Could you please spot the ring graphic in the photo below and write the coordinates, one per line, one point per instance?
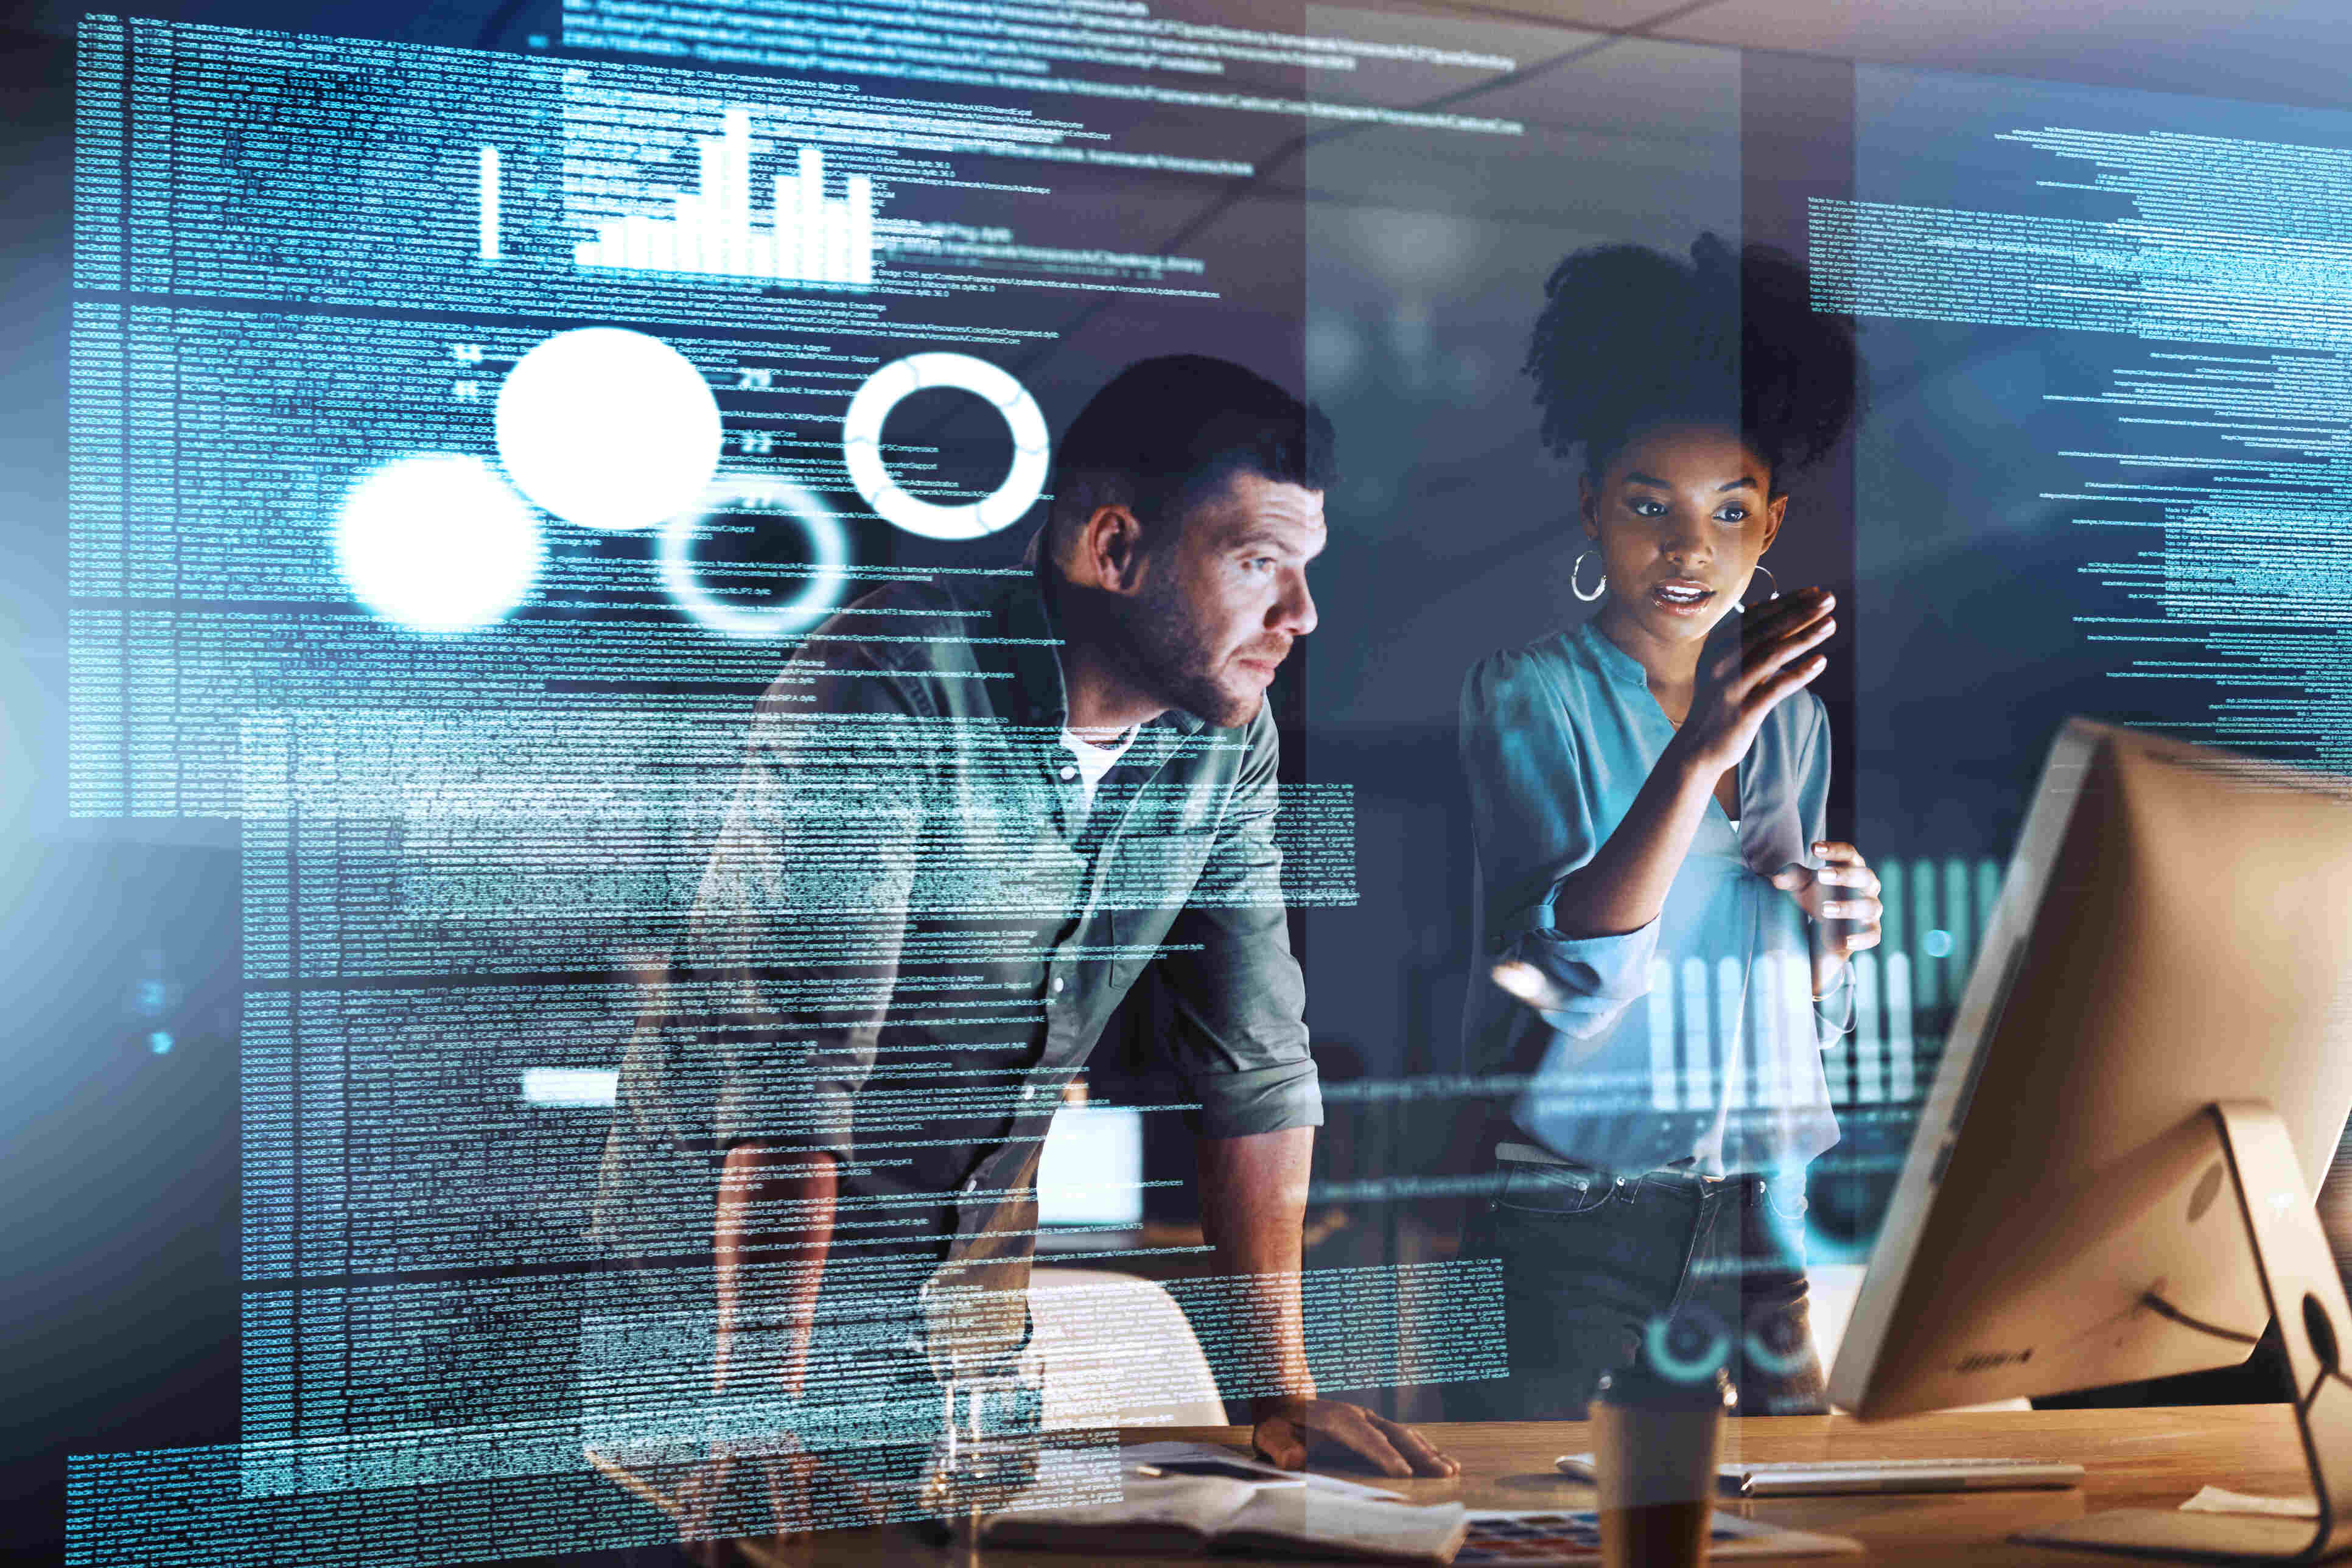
(1657, 1338)
(861, 445)
(828, 551)
(1777, 1364)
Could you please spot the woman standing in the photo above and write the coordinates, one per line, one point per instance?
(1664, 924)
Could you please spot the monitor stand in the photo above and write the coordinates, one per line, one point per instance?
(2306, 1299)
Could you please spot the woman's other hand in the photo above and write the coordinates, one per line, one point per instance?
(1773, 662)
(1842, 896)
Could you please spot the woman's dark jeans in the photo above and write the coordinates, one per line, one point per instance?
(1703, 1272)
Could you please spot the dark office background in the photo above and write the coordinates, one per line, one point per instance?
(1401, 300)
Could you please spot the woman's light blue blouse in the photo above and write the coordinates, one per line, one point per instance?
(1696, 1037)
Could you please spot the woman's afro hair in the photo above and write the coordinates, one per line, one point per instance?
(1630, 339)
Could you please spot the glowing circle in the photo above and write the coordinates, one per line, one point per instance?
(828, 552)
(861, 445)
(608, 428)
(1656, 1339)
(438, 543)
(1764, 1359)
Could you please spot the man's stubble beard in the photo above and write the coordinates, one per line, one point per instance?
(1166, 654)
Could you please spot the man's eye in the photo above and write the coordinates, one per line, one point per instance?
(1260, 564)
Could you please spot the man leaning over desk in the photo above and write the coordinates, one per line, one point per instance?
(971, 811)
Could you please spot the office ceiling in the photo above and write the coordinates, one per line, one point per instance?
(2294, 52)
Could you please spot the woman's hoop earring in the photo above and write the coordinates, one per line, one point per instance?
(1576, 571)
(1767, 572)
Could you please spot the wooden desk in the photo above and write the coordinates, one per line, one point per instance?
(2144, 1458)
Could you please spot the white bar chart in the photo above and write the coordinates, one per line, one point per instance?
(1662, 1035)
(1698, 1078)
(718, 229)
(1698, 1043)
(1902, 1055)
(486, 204)
(1868, 1046)
(1938, 911)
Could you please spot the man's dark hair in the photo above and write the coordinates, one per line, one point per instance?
(1631, 338)
(1169, 433)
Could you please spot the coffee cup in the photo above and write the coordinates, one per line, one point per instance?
(1655, 1443)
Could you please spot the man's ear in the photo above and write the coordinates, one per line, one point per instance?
(1108, 553)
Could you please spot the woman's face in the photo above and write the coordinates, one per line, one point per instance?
(1680, 515)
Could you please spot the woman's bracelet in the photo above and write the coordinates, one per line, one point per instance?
(1844, 976)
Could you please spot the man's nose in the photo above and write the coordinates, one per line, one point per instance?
(1295, 611)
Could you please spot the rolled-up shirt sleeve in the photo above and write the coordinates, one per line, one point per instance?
(819, 848)
(1240, 1041)
(740, 1039)
(1532, 825)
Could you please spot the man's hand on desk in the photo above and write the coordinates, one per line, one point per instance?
(1291, 1430)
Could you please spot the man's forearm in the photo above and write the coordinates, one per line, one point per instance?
(771, 1237)
(1253, 1209)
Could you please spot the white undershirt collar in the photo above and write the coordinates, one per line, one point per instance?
(1094, 761)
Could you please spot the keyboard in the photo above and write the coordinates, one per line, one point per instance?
(1801, 1478)
(1520, 1538)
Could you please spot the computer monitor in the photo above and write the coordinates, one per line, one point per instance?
(2112, 1178)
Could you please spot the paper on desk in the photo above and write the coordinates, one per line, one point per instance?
(1234, 1467)
(2219, 1499)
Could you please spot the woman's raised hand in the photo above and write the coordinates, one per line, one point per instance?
(1773, 662)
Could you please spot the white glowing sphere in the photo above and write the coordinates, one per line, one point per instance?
(608, 428)
(438, 543)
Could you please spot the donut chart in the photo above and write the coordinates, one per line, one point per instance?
(861, 444)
